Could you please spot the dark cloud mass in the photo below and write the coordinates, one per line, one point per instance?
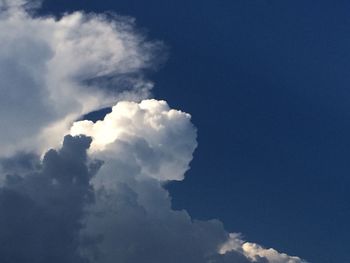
(43, 206)
(55, 210)
(41, 210)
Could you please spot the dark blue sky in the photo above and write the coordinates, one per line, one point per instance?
(268, 85)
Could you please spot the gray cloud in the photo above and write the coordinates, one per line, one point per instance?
(41, 209)
(138, 225)
(45, 205)
(67, 208)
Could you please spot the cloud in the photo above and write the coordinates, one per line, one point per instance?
(159, 141)
(8, 4)
(99, 196)
(144, 145)
(55, 70)
(256, 252)
(41, 209)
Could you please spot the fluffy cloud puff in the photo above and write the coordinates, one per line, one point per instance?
(158, 140)
(54, 70)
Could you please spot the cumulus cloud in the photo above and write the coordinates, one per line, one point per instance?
(158, 140)
(55, 70)
(99, 197)
(143, 145)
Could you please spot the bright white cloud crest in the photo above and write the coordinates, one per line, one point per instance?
(254, 251)
(164, 139)
(53, 71)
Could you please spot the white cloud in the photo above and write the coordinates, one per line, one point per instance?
(255, 252)
(55, 70)
(158, 139)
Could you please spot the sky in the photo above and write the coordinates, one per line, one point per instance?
(253, 133)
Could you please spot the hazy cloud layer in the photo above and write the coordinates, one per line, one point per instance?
(100, 196)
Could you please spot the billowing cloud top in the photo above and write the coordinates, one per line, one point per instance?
(160, 139)
(98, 196)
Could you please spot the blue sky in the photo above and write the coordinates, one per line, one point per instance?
(267, 84)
